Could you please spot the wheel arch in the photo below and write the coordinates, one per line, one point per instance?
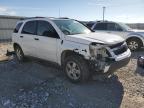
(67, 53)
(16, 45)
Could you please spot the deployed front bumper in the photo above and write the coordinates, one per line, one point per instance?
(114, 63)
(119, 61)
(118, 64)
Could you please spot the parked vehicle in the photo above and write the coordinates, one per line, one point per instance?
(134, 38)
(81, 52)
(140, 61)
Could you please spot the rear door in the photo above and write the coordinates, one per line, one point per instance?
(110, 27)
(15, 36)
(47, 41)
(115, 28)
(27, 37)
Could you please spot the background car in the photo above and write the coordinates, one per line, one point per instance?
(134, 38)
(140, 61)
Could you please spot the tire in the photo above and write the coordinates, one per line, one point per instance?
(134, 44)
(76, 69)
(19, 54)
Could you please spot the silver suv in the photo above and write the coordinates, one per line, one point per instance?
(134, 38)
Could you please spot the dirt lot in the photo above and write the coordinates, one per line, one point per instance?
(38, 84)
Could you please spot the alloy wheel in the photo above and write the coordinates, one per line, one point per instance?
(133, 45)
(73, 70)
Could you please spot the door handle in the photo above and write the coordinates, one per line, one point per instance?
(36, 38)
(108, 32)
(21, 36)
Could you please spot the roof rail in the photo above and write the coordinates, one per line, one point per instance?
(64, 18)
(39, 17)
(44, 17)
(102, 21)
(31, 17)
(50, 17)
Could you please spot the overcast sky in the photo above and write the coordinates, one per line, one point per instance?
(130, 11)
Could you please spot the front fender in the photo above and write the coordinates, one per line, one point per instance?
(82, 49)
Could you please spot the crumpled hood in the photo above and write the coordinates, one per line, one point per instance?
(103, 38)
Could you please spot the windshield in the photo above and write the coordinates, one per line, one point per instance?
(126, 27)
(71, 27)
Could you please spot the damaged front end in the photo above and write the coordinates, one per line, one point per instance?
(108, 58)
(100, 60)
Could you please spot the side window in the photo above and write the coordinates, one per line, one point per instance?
(29, 28)
(114, 27)
(17, 27)
(44, 28)
(100, 26)
(111, 26)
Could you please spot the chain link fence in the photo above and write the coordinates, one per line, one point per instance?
(7, 25)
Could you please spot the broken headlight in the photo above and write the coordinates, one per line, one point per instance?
(97, 50)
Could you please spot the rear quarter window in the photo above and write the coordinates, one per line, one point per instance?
(17, 27)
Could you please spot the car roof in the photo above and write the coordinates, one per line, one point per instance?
(44, 18)
(101, 21)
(105, 21)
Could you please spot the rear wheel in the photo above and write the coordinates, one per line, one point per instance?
(76, 69)
(134, 44)
(19, 54)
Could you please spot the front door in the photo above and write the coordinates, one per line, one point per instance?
(46, 41)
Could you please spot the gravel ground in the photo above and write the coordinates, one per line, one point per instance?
(4, 47)
(39, 84)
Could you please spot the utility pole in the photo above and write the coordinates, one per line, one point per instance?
(104, 8)
(59, 12)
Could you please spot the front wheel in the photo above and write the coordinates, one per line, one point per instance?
(76, 69)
